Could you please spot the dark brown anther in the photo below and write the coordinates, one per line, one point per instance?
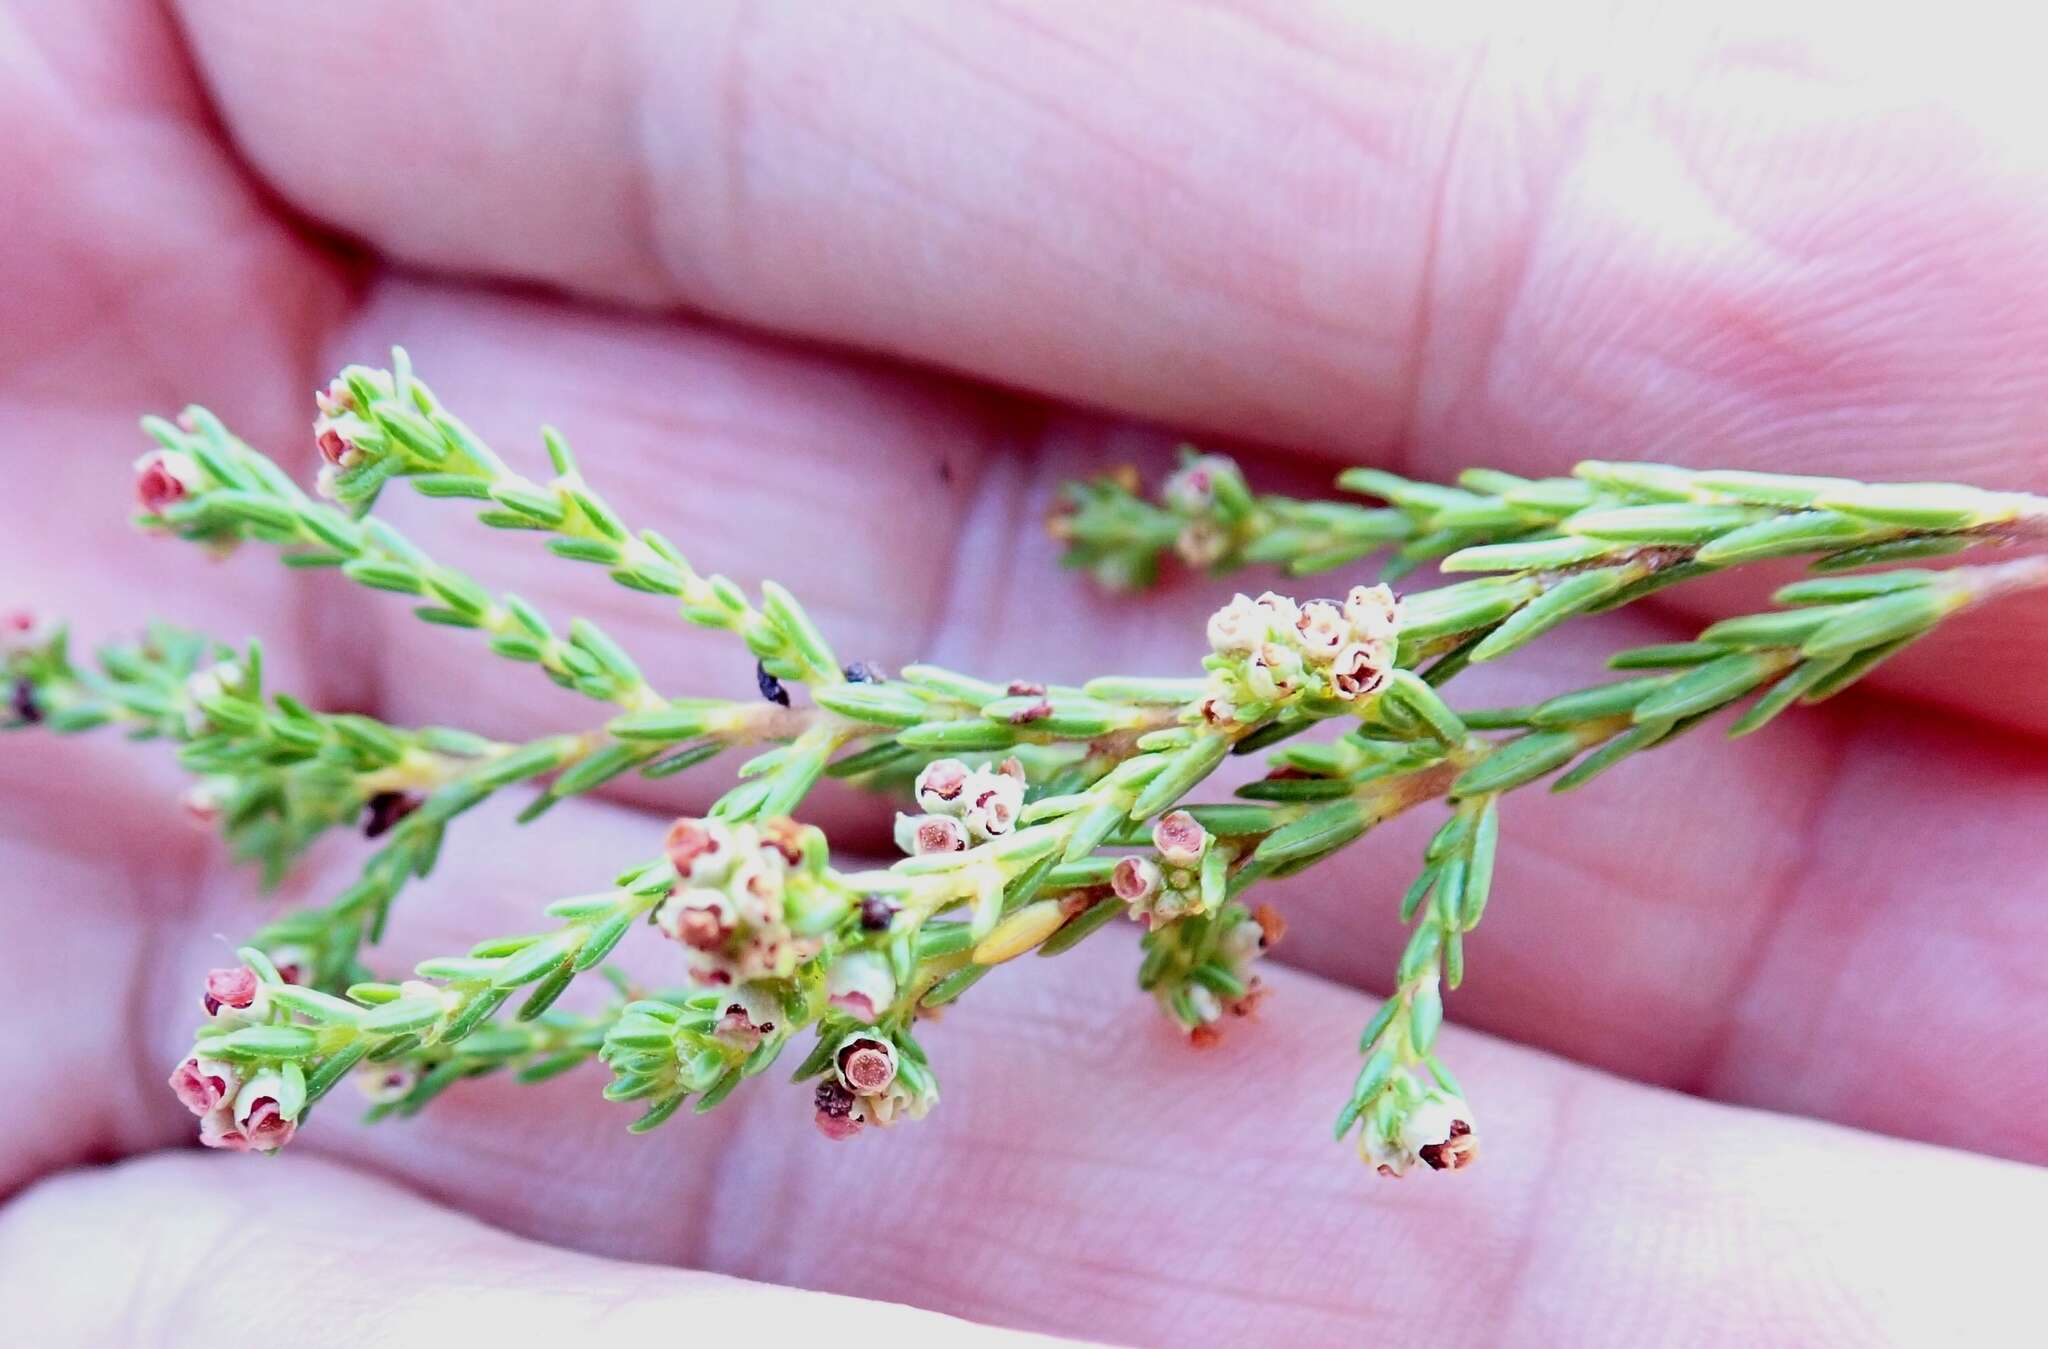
(384, 810)
(1455, 1153)
(860, 672)
(876, 913)
(833, 1101)
(771, 687)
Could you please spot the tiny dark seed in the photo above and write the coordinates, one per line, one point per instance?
(771, 687)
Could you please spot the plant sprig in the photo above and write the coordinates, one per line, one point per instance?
(1079, 810)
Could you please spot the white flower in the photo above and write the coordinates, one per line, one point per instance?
(1359, 669)
(1284, 612)
(922, 835)
(1439, 1133)
(1202, 543)
(861, 985)
(1239, 626)
(940, 787)
(993, 800)
(1273, 672)
(1321, 630)
(1373, 613)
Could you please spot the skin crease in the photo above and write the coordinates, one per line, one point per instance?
(767, 271)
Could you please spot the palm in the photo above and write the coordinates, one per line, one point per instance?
(1841, 919)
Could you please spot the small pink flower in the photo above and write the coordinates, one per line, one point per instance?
(1192, 486)
(1135, 879)
(940, 784)
(1180, 838)
(1358, 670)
(165, 478)
(218, 1129)
(923, 835)
(690, 842)
(861, 984)
(747, 1019)
(202, 1084)
(264, 1113)
(865, 1064)
(700, 918)
(833, 1111)
(231, 991)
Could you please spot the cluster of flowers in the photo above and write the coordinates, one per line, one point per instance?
(1190, 491)
(871, 1083)
(1270, 649)
(752, 902)
(737, 888)
(256, 1114)
(1435, 1130)
(1160, 889)
(340, 429)
(961, 806)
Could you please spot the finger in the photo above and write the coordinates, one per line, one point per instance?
(341, 1259)
(1764, 236)
(1082, 1151)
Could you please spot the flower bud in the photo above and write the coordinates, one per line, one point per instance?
(861, 985)
(164, 478)
(1191, 488)
(866, 1065)
(1180, 838)
(1273, 672)
(1202, 543)
(233, 992)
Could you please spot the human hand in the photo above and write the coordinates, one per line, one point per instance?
(1291, 227)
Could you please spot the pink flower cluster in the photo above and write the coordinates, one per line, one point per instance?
(729, 906)
(961, 806)
(258, 1113)
(1169, 886)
